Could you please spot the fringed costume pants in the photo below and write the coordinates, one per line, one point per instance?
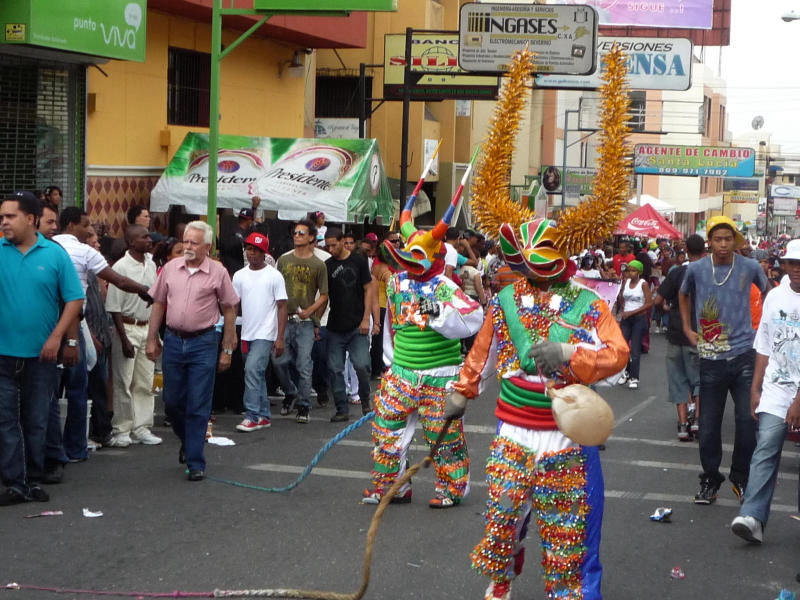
(544, 475)
(405, 396)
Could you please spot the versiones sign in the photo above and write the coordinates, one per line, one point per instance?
(653, 64)
(563, 37)
(705, 161)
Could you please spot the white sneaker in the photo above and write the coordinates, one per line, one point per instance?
(633, 384)
(623, 378)
(748, 528)
(119, 440)
(146, 437)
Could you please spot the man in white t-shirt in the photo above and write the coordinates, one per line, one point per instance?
(264, 316)
(775, 394)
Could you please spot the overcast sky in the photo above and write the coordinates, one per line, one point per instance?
(762, 70)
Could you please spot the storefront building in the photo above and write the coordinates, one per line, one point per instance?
(95, 97)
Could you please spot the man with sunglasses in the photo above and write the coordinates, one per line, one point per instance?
(305, 276)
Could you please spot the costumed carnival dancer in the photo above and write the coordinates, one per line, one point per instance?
(544, 331)
(427, 315)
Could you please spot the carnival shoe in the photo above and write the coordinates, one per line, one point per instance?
(498, 591)
(439, 501)
(374, 497)
(748, 528)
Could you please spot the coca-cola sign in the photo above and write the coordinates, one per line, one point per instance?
(639, 223)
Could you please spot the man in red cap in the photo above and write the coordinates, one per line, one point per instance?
(263, 298)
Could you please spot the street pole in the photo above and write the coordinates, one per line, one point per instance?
(406, 116)
(213, 114)
(564, 162)
(362, 100)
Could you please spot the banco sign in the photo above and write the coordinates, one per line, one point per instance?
(111, 28)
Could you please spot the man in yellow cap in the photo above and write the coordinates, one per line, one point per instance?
(721, 284)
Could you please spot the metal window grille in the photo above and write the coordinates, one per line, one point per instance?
(42, 127)
(638, 110)
(188, 87)
(337, 97)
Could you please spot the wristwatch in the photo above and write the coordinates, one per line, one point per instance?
(228, 352)
(72, 343)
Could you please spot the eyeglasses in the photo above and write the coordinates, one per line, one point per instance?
(394, 240)
(299, 232)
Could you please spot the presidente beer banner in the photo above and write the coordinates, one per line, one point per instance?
(344, 178)
(705, 161)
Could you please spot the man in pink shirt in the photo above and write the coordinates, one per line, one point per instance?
(189, 291)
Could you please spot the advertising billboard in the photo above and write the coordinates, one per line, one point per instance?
(578, 181)
(653, 64)
(704, 161)
(784, 207)
(112, 28)
(785, 191)
(563, 37)
(683, 14)
(740, 197)
(435, 70)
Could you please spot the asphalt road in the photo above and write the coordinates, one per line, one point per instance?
(161, 533)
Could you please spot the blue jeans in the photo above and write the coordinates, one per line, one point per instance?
(76, 389)
(764, 467)
(319, 357)
(358, 345)
(717, 378)
(54, 452)
(299, 340)
(256, 361)
(189, 367)
(633, 329)
(26, 387)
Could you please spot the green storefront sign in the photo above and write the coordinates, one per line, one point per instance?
(109, 28)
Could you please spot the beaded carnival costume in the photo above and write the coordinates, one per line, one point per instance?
(427, 315)
(542, 330)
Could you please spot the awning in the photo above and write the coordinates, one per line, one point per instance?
(645, 221)
(661, 206)
(343, 178)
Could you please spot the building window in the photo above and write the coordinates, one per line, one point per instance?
(337, 97)
(637, 110)
(721, 135)
(706, 115)
(188, 87)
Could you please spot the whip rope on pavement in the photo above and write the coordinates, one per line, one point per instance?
(282, 592)
(307, 471)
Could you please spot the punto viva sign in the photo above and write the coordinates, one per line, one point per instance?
(111, 28)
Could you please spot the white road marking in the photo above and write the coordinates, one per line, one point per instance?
(610, 494)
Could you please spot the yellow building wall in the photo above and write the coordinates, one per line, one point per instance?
(131, 103)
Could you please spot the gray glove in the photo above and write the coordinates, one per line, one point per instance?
(549, 356)
(455, 404)
(428, 307)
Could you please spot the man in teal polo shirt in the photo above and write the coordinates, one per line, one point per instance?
(37, 278)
